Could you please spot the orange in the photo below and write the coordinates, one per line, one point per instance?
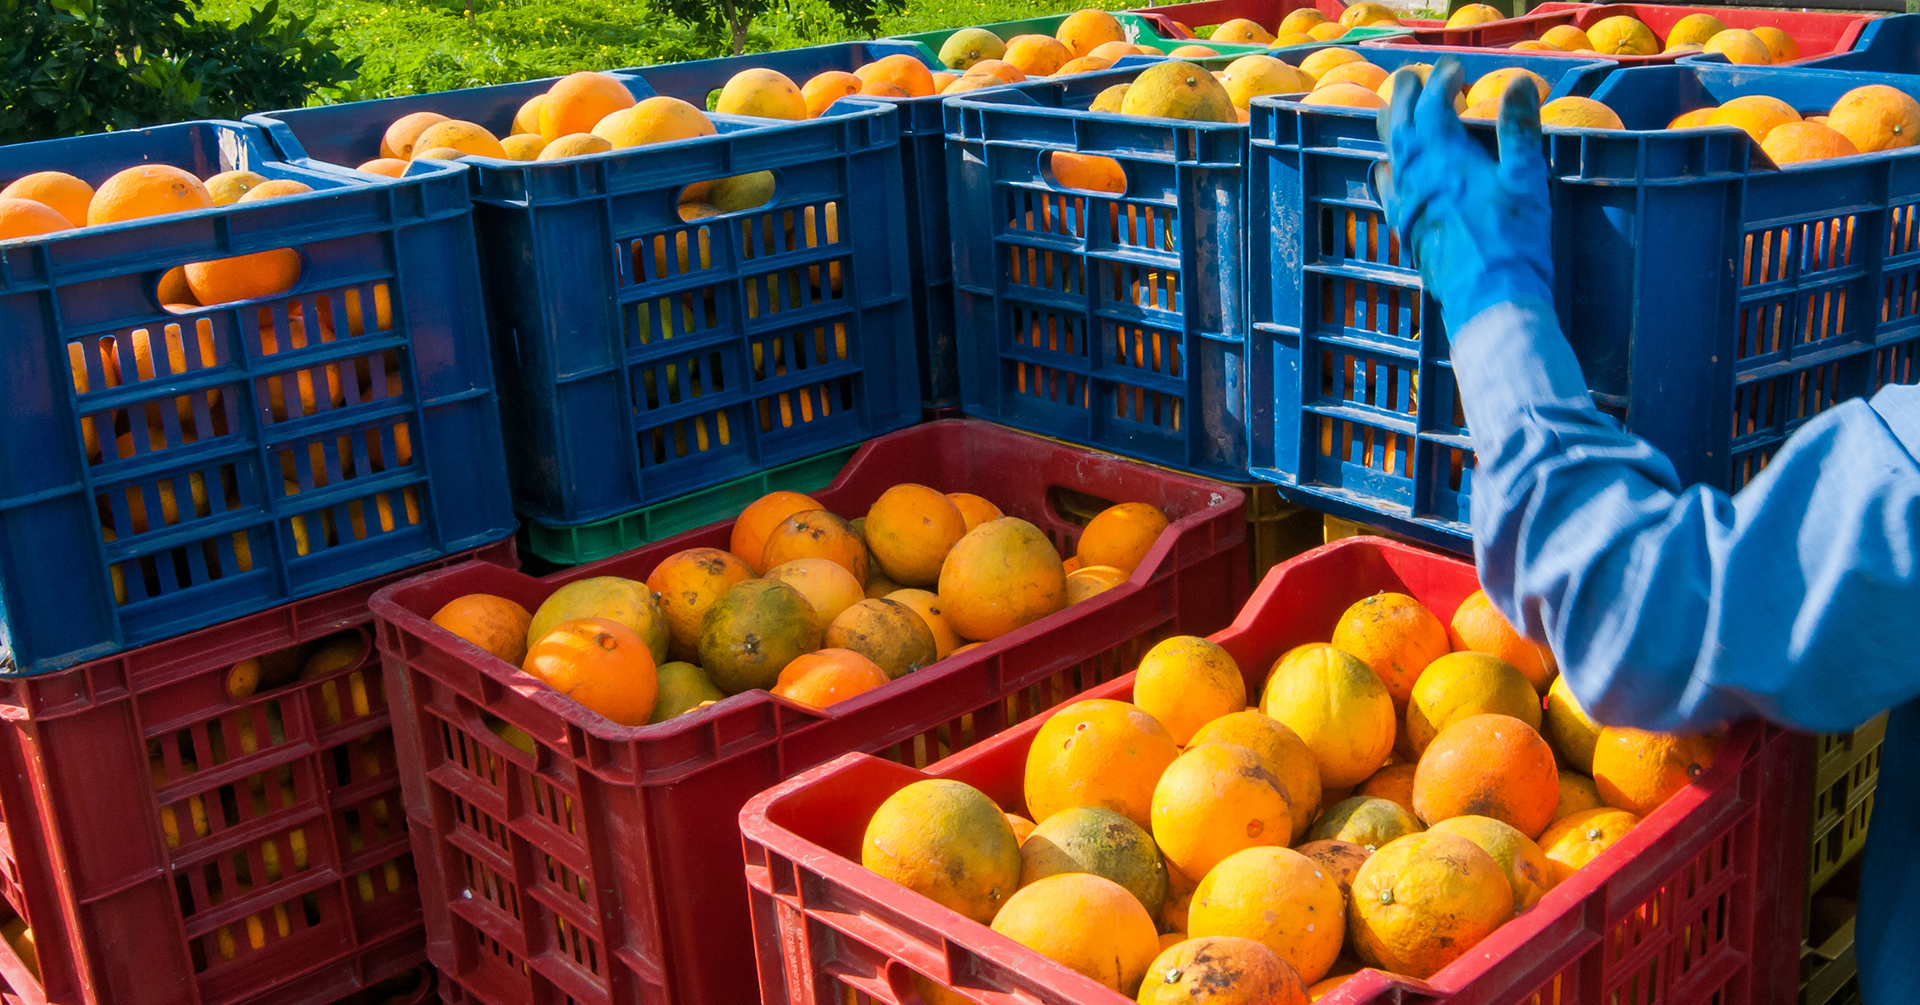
(826, 586)
(1365, 821)
(974, 509)
(999, 69)
(574, 145)
(146, 190)
(883, 89)
(1338, 859)
(1758, 121)
(66, 194)
(578, 101)
(751, 528)
(1366, 75)
(1566, 38)
(1780, 45)
(934, 614)
(1394, 783)
(1424, 901)
(1214, 800)
(459, 135)
(1696, 28)
(1114, 50)
(1491, 766)
(1036, 55)
(1741, 47)
(1622, 35)
(1090, 582)
(1366, 13)
(1175, 89)
(1488, 110)
(1472, 14)
(828, 676)
(275, 189)
(765, 93)
(910, 529)
(398, 141)
(753, 631)
(173, 289)
(1082, 64)
(1528, 872)
(902, 71)
(527, 118)
(1283, 752)
(244, 277)
(1323, 32)
(1394, 635)
(1240, 29)
(1221, 971)
(1876, 117)
(1085, 30)
(600, 664)
(1087, 923)
(1090, 172)
(1569, 729)
(228, 186)
(1300, 21)
(27, 218)
(1477, 626)
(495, 624)
(1192, 52)
(523, 146)
(1795, 142)
(1574, 841)
(1492, 85)
(1121, 535)
(1459, 685)
(1022, 827)
(387, 166)
(816, 533)
(1278, 898)
(1636, 771)
(948, 842)
(1254, 75)
(942, 80)
(655, 120)
(887, 632)
(1002, 576)
(1337, 706)
(1692, 120)
(687, 583)
(1098, 752)
(622, 601)
(1186, 682)
(823, 89)
(1578, 794)
(1099, 841)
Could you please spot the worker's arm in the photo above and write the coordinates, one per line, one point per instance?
(1668, 608)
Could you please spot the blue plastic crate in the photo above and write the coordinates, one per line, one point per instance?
(162, 471)
(1112, 321)
(1705, 292)
(629, 378)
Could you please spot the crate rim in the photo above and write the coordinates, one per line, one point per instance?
(1743, 741)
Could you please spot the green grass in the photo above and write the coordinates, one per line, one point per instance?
(420, 46)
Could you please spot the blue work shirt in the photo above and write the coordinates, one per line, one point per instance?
(1674, 607)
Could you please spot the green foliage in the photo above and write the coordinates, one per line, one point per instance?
(78, 66)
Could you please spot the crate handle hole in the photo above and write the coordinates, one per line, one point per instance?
(1076, 172)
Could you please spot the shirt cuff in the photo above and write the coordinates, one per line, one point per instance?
(1511, 360)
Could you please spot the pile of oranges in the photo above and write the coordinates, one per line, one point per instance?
(804, 603)
(1397, 794)
(1304, 26)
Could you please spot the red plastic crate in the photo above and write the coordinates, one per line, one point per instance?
(1676, 914)
(1817, 33)
(302, 775)
(600, 871)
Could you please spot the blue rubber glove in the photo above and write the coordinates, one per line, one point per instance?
(1480, 230)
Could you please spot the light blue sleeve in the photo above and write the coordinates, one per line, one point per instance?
(1674, 607)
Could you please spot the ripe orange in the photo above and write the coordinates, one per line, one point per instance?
(527, 118)
(1526, 867)
(1477, 626)
(998, 68)
(1278, 898)
(1337, 706)
(66, 194)
(1121, 535)
(1086, 30)
(910, 529)
(495, 624)
(1088, 172)
(1574, 841)
(1568, 727)
(1214, 800)
(1087, 923)
(902, 71)
(244, 277)
(933, 612)
(1282, 750)
(1022, 827)
(687, 583)
(1459, 685)
(1221, 971)
(398, 141)
(1494, 84)
(1636, 771)
(600, 664)
(1491, 766)
(1339, 859)
(823, 89)
(1757, 120)
(946, 841)
(1000, 577)
(1741, 47)
(1036, 55)
(275, 189)
(1366, 75)
(762, 92)
(27, 218)
(391, 167)
(1795, 142)
(146, 190)
(1393, 783)
(578, 101)
(1098, 752)
(658, 119)
(816, 533)
(1578, 794)
(1090, 582)
(974, 509)
(1186, 682)
(883, 89)
(1424, 901)
(758, 520)
(828, 676)
(1240, 29)
(1394, 635)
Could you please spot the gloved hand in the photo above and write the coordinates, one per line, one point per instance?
(1480, 230)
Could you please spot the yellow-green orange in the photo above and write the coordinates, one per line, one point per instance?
(946, 841)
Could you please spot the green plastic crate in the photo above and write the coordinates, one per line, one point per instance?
(573, 545)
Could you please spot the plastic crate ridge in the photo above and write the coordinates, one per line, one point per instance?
(275, 448)
(588, 869)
